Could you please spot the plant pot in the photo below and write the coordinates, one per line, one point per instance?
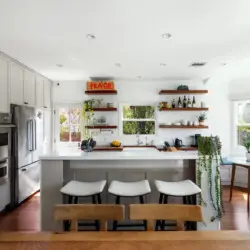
(201, 123)
(248, 156)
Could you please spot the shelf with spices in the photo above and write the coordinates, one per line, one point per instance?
(182, 92)
(183, 126)
(183, 109)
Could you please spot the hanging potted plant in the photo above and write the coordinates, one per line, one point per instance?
(208, 174)
(201, 118)
(87, 113)
(246, 144)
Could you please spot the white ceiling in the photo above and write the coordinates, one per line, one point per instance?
(43, 33)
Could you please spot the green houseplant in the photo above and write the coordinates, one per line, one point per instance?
(201, 118)
(208, 164)
(246, 144)
(87, 114)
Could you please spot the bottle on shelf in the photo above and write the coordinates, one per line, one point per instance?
(184, 102)
(179, 103)
(189, 104)
(194, 102)
(173, 103)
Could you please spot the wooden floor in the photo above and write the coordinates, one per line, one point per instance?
(27, 216)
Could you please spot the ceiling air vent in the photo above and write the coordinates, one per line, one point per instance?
(197, 64)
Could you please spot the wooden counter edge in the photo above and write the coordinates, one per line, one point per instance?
(124, 236)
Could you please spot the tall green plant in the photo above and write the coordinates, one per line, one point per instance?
(87, 114)
(246, 143)
(209, 152)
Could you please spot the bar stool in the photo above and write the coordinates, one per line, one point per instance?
(75, 189)
(126, 190)
(186, 189)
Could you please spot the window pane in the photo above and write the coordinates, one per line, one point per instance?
(75, 133)
(74, 115)
(141, 127)
(138, 112)
(242, 132)
(64, 133)
(64, 116)
(244, 112)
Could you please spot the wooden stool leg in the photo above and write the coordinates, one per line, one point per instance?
(232, 181)
(165, 201)
(117, 201)
(157, 224)
(67, 223)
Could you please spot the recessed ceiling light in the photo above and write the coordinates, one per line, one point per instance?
(118, 65)
(139, 77)
(197, 64)
(73, 59)
(166, 35)
(91, 36)
(163, 64)
(223, 64)
(59, 65)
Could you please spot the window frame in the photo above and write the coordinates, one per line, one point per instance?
(57, 142)
(121, 119)
(236, 146)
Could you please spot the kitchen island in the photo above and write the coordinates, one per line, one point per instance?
(131, 164)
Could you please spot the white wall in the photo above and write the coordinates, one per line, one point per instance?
(142, 91)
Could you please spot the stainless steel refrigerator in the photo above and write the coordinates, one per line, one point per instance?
(26, 147)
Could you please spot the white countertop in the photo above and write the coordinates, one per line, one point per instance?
(126, 154)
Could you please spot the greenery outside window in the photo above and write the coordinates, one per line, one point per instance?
(69, 119)
(243, 121)
(138, 119)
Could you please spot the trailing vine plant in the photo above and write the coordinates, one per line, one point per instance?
(209, 155)
(87, 114)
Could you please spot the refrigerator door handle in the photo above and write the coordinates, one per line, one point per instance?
(34, 134)
(29, 135)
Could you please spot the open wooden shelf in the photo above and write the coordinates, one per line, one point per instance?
(101, 92)
(107, 148)
(184, 109)
(180, 92)
(183, 127)
(101, 127)
(104, 109)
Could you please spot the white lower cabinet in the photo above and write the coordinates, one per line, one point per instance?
(4, 92)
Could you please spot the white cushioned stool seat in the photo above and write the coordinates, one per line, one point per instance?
(80, 188)
(136, 188)
(178, 188)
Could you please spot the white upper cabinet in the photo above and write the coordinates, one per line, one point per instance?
(4, 92)
(47, 93)
(29, 88)
(16, 84)
(43, 93)
(39, 92)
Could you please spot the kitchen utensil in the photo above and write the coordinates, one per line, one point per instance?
(178, 142)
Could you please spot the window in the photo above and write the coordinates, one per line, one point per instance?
(243, 120)
(138, 119)
(69, 122)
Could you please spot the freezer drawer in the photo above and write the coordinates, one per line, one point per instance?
(29, 181)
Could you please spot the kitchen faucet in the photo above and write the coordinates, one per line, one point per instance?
(139, 142)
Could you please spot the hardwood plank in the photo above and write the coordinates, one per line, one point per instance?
(125, 236)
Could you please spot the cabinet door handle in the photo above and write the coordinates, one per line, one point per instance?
(45, 107)
(24, 169)
(26, 103)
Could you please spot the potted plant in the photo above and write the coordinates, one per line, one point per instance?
(87, 113)
(201, 118)
(246, 144)
(208, 174)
